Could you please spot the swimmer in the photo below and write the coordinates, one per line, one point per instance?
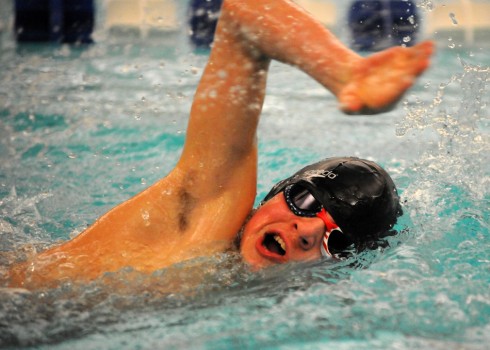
(329, 209)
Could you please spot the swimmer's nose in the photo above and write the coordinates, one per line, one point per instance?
(309, 232)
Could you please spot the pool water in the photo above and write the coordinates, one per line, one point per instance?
(84, 128)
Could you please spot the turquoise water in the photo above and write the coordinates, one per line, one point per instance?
(84, 128)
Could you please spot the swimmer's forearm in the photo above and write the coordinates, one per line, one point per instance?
(283, 31)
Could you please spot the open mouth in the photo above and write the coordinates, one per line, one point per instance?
(274, 244)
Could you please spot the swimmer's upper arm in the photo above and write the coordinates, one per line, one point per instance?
(220, 153)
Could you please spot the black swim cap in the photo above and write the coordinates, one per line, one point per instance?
(359, 195)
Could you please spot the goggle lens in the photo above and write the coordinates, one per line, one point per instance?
(336, 244)
(301, 201)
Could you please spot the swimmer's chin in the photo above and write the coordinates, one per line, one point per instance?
(256, 266)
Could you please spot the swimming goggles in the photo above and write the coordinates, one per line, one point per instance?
(302, 203)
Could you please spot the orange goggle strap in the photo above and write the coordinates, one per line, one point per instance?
(331, 226)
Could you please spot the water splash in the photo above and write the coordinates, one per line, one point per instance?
(47, 316)
(450, 178)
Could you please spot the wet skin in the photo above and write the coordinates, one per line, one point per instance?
(275, 235)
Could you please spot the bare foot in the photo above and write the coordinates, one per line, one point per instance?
(380, 80)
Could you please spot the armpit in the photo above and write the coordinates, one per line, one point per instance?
(187, 203)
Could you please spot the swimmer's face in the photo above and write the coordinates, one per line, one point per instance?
(275, 235)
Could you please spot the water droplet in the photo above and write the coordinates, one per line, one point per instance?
(72, 156)
(453, 18)
(137, 117)
(222, 74)
(425, 4)
(451, 45)
(400, 131)
(407, 39)
(145, 215)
